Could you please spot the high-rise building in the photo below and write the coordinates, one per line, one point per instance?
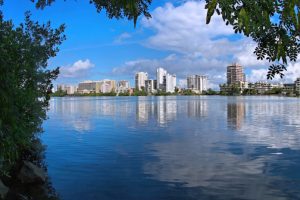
(150, 86)
(160, 77)
(123, 86)
(107, 86)
(197, 83)
(71, 89)
(170, 83)
(165, 81)
(140, 79)
(235, 74)
(61, 87)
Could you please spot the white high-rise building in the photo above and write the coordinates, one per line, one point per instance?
(160, 77)
(170, 83)
(140, 79)
(123, 86)
(150, 86)
(107, 86)
(71, 89)
(197, 83)
(165, 82)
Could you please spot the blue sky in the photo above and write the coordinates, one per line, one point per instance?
(176, 38)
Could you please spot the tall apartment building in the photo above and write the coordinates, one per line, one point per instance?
(61, 87)
(107, 86)
(150, 86)
(165, 81)
(123, 86)
(170, 83)
(140, 79)
(235, 74)
(160, 77)
(71, 89)
(197, 83)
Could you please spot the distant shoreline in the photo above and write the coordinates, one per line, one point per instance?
(257, 95)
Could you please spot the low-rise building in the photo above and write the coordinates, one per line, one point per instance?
(234, 88)
(297, 86)
(87, 87)
(289, 88)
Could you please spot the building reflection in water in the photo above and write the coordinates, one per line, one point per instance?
(197, 108)
(162, 110)
(78, 113)
(235, 115)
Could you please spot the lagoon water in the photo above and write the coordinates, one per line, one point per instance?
(174, 148)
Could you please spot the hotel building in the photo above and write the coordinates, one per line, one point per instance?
(197, 83)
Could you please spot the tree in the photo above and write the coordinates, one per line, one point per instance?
(210, 92)
(25, 83)
(59, 93)
(130, 9)
(25, 80)
(273, 24)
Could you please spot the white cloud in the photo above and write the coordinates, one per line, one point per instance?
(195, 47)
(292, 73)
(183, 29)
(247, 58)
(181, 65)
(121, 38)
(78, 69)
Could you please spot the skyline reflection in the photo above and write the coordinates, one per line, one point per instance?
(235, 115)
(175, 147)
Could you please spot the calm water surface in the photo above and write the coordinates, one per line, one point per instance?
(152, 148)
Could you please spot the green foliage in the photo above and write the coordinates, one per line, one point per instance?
(248, 91)
(137, 92)
(273, 25)
(176, 90)
(25, 83)
(210, 92)
(94, 94)
(130, 9)
(188, 92)
(59, 93)
(233, 90)
(161, 93)
(124, 93)
(274, 91)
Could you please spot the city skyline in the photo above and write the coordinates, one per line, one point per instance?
(166, 82)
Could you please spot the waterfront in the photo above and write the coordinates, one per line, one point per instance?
(174, 147)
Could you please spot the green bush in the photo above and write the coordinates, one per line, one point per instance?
(25, 84)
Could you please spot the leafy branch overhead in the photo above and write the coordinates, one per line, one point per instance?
(130, 9)
(273, 25)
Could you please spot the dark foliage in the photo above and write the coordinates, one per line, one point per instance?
(25, 83)
(273, 25)
(130, 9)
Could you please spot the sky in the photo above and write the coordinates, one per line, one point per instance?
(175, 38)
